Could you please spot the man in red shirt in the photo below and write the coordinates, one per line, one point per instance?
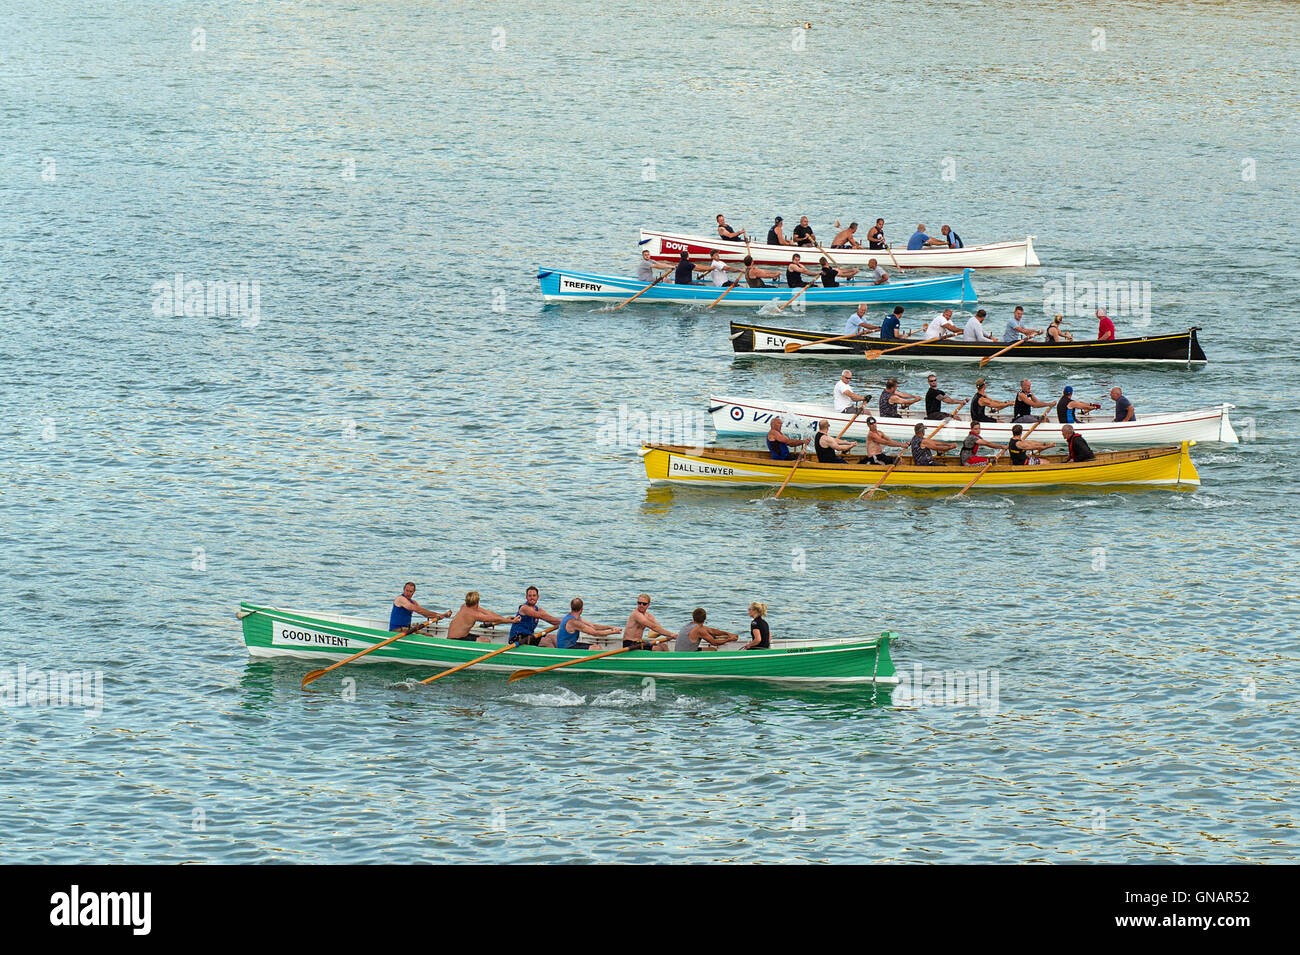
(1105, 327)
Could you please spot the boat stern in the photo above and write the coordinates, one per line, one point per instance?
(1031, 257)
(968, 296)
(1226, 434)
(549, 279)
(742, 338)
(655, 460)
(1187, 473)
(884, 670)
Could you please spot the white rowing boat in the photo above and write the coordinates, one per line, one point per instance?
(747, 417)
(668, 247)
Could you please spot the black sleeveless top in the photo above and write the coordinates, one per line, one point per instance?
(1022, 407)
(824, 454)
(977, 411)
(1013, 451)
(794, 279)
(830, 277)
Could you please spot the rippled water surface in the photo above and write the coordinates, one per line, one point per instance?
(403, 407)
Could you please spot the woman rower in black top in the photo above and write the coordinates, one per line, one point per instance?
(760, 636)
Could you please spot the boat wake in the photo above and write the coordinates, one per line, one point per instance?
(618, 699)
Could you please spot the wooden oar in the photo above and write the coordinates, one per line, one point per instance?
(850, 424)
(892, 259)
(828, 255)
(486, 656)
(525, 674)
(876, 352)
(795, 346)
(1020, 341)
(315, 675)
(804, 288)
(872, 490)
(795, 467)
(1000, 453)
(724, 294)
(644, 290)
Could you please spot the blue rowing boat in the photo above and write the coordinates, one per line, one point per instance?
(563, 285)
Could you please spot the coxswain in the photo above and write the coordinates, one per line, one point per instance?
(572, 624)
(1021, 450)
(471, 613)
(844, 238)
(876, 441)
(920, 240)
(831, 274)
(803, 233)
(1025, 403)
(876, 236)
(1076, 449)
(524, 630)
(971, 444)
(891, 329)
(827, 447)
(844, 398)
(924, 447)
(1123, 407)
(941, 325)
(1067, 408)
(638, 622)
(935, 399)
(779, 443)
(754, 275)
(1057, 333)
(857, 323)
(982, 404)
(894, 402)
(951, 237)
(776, 234)
(878, 275)
(694, 633)
(795, 272)
(399, 617)
(1105, 327)
(1016, 327)
(727, 232)
(974, 330)
(760, 635)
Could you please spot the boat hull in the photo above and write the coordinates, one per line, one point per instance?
(752, 417)
(1178, 349)
(564, 285)
(668, 247)
(1161, 467)
(275, 632)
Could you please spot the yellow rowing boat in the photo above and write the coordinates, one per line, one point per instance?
(1161, 467)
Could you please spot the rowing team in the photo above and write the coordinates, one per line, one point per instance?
(797, 274)
(566, 631)
(893, 402)
(802, 234)
(941, 326)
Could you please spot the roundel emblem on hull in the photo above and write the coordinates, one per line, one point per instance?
(736, 413)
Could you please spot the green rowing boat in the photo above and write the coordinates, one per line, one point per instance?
(272, 632)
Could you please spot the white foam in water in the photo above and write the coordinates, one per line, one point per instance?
(771, 308)
(565, 697)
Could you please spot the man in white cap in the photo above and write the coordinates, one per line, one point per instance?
(848, 401)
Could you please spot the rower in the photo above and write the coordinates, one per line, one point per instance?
(1020, 449)
(566, 638)
(831, 274)
(844, 238)
(894, 402)
(760, 635)
(1025, 403)
(803, 233)
(857, 323)
(638, 622)
(923, 447)
(974, 330)
(935, 399)
(981, 404)
(1076, 449)
(972, 443)
(523, 631)
(1056, 332)
(876, 441)
(951, 237)
(878, 275)
(776, 235)
(795, 271)
(941, 325)
(827, 446)
(779, 443)
(1067, 407)
(891, 328)
(695, 632)
(718, 269)
(876, 236)
(1123, 407)
(1105, 327)
(920, 240)
(1015, 326)
(399, 617)
(845, 399)
(471, 613)
(754, 275)
(685, 270)
(727, 232)
(645, 269)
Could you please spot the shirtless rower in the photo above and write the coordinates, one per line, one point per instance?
(876, 441)
(471, 613)
(638, 622)
(844, 238)
(399, 617)
(566, 638)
